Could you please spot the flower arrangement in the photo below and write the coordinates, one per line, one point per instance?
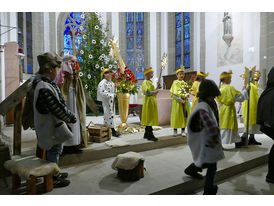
(186, 87)
(126, 82)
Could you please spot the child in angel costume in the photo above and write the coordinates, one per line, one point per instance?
(195, 88)
(180, 109)
(228, 118)
(254, 98)
(150, 109)
(106, 94)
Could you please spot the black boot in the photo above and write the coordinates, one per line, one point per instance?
(253, 141)
(211, 191)
(146, 132)
(242, 143)
(115, 133)
(151, 135)
(192, 170)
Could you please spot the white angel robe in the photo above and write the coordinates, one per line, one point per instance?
(105, 94)
(76, 128)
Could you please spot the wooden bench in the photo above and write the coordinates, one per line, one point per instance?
(30, 168)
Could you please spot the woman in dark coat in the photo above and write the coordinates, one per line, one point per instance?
(265, 118)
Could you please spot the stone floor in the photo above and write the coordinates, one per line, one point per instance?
(164, 168)
(251, 182)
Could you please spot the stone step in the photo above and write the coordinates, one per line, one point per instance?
(104, 151)
(189, 187)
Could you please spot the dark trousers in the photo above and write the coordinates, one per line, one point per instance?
(269, 131)
(210, 174)
(270, 173)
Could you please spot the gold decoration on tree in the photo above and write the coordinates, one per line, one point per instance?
(115, 51)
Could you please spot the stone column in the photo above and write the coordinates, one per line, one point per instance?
(266, 44)
(202, 42)
(52, 33)
(171, 43)
(38, 37)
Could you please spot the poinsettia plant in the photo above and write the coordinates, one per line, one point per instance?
(126, 82)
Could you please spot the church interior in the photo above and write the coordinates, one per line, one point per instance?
(207, 43)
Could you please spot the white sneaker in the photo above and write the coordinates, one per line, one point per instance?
(184, 134)
(174, 133)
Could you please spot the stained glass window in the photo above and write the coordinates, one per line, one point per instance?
(72, 33)
(135, 43)
(186, 39)
(20, 36)
(178, 39)
(29, 42)
(182, 41)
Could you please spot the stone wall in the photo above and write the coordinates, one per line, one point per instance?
(266, 44)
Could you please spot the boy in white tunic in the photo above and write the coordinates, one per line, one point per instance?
(204, 136)
(106, 94)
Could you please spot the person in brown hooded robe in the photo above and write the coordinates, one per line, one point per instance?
(73, 92)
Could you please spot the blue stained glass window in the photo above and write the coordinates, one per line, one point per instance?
(186, 41)
(186, 17)
(130, 17)
(68, 21)
(20, 36)
(139, 16)
(178, 34)
(130, 59)
(72, 33)
(77, 17)
(187, 46)
(130, 35)
(178, 50)
(78, 40)
(139, 35)
(178, 61)
(187, 61)
(186, 31)
(178, 39)
(135, 42)
(178, 16)
(140, 75)
(29, 43)
(68, 41)
(182, 24)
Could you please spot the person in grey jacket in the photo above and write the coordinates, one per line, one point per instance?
(204, 137)
(48, 107)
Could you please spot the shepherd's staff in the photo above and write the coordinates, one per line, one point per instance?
(248, 105)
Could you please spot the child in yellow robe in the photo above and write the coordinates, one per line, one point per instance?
(180, 109)
(227, 111)
(254, 98)
(150, 109)
(195, 89)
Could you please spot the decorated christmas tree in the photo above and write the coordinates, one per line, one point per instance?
(94, 52)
